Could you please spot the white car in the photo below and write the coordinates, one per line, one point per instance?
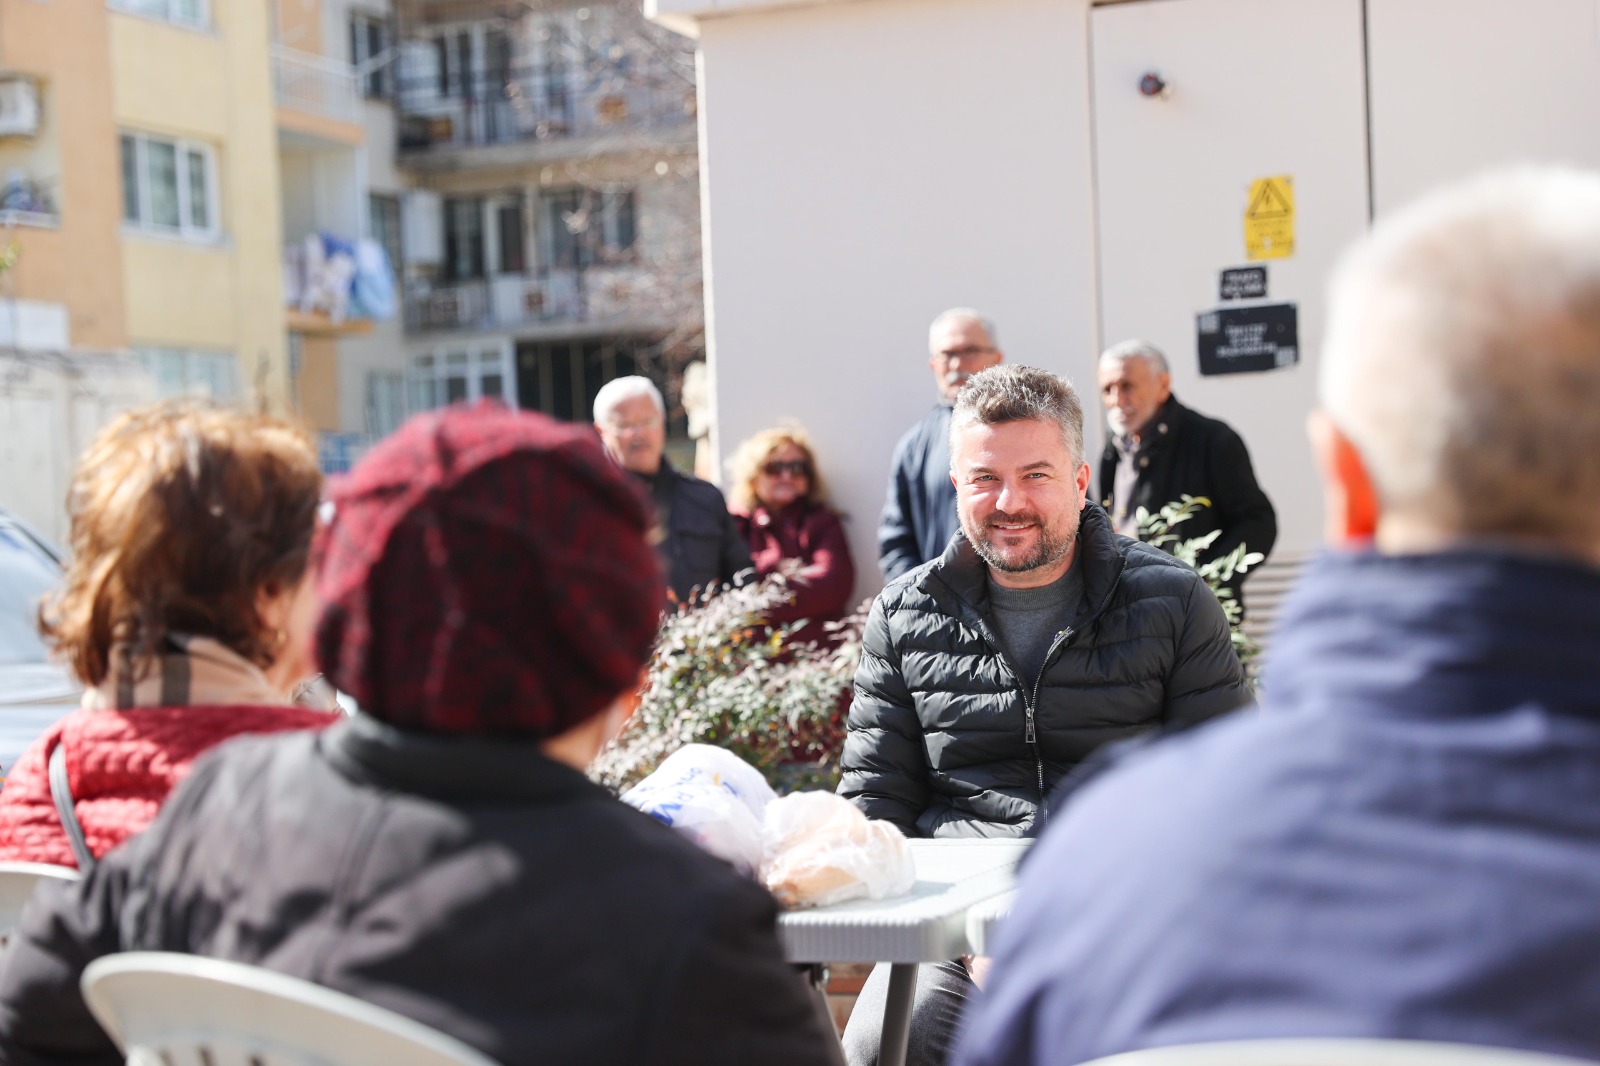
(34, 691)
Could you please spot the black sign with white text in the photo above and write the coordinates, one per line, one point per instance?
(1241, 340)
(1243, 283)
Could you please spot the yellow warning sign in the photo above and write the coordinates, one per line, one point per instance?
(1269, 219)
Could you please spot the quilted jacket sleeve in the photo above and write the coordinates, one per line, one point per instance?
(1243, 510)
(1207, 678)
(884, 768)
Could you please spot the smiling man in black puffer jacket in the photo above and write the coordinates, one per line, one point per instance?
(1040, 635)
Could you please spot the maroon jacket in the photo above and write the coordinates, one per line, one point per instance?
(814, 535)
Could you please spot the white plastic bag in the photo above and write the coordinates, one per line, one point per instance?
(818, 849)
(711, 796)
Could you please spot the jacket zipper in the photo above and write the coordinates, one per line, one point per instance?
(1031, 735)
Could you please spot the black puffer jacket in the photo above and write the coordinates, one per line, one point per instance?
(943, 741)
(469, 883)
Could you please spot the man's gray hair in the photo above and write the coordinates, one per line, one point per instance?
(1020, 394)
(1136, 349)
(1462, 358)
(620, 390)
(963, 314)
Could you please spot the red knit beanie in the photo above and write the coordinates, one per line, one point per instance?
(486, 571)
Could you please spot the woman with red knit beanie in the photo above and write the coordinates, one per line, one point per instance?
(490, 598)
(185, 613)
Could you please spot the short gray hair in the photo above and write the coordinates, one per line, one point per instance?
(1013, 393)
(620, 390)
(1136, 349)
(963, 314)
(1462, 357)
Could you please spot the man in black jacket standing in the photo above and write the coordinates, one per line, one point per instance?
(1159, 451)
(1039, 635)
(695, 535)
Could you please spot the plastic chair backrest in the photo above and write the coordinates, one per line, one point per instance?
(1335, 1052)
(184, 1010)
(17, 882)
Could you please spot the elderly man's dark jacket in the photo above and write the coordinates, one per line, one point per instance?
(945, 740)
(919, 512)
(700, 544)
(471, 884)
(1190, 454)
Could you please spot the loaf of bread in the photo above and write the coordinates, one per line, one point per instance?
(818, 849)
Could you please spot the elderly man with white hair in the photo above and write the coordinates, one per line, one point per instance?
(1405, 843)
(695, 536)
(1158, 451)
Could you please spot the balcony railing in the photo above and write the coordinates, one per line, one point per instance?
(537, 104)
(586, 294)
(316, 84)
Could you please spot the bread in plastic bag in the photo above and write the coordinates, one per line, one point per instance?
(711, 796)
(818, 849)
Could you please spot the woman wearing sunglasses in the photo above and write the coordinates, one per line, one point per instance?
(780, 506)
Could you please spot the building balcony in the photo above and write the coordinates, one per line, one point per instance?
(317, 97)
(509, 115)
(614, 295)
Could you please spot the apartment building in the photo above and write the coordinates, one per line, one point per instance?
(552, 232)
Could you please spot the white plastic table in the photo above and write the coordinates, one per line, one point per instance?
(929, 925)
(984, 919)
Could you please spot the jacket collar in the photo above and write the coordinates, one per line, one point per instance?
(1163, 428)
(460, 769)
(958, 581)
(1468, 631)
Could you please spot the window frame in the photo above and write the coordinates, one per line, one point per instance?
(140, 8)
(182, 149)
(379, 83)
(428, 373)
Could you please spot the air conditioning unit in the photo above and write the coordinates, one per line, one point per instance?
(19, 107)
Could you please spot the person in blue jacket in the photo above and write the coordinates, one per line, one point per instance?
(919, 514)
(1405, 842)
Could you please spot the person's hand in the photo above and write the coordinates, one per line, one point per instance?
(978, 968)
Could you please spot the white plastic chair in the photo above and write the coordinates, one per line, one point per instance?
(17, 882)
(166, 1009)
(1335, 1052)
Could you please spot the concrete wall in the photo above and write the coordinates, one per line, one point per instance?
(1461, 85)
(866, 165)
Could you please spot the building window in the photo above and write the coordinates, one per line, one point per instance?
(191, 372)
(386, 403)
(369, 51)
(562, 378)
(508, 224)
(467, 373)
(586, 227)
(181, 12)
(384, 225)
(169, 186)
(463, 238)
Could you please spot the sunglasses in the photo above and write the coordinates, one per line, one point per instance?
(793, 467)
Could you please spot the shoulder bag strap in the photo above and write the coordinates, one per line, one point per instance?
(61, 792)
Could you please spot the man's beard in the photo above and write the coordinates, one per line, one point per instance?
(1048, 548)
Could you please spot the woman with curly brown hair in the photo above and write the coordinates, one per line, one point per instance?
(185, 613)
(780, 506)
